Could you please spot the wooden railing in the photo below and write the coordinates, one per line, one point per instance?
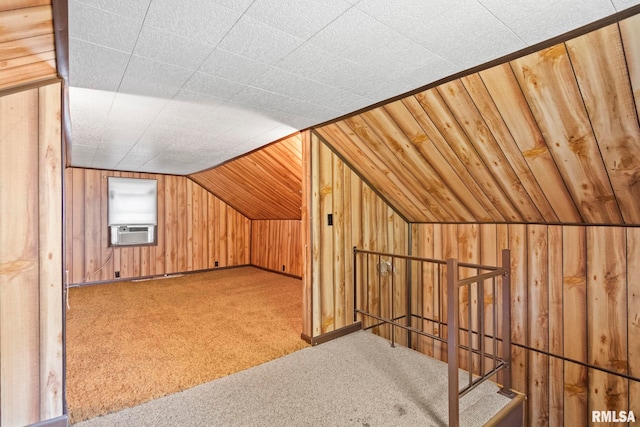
(381, 279)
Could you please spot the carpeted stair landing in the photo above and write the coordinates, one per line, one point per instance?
(356, 380)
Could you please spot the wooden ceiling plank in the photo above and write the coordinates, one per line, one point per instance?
(453, 134)
(630, 32)
(27, 60)
(601, 70)
(428, 151)
(27, 73)
(6, 5)
(483, 143)
(264, 184)
(512, 106)
(504, 142)
(443, 147)
(28, 47)
(373, 170)
(235, 195)
(411, 183)
(21, 24)
(409, 159)
(548, 82)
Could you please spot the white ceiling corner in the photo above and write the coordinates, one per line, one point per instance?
(176, 87)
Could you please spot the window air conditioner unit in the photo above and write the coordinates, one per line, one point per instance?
(132, 234)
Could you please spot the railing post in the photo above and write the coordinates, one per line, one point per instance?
(452, 336)
(506, 322)
(355, 284)
(408, 296)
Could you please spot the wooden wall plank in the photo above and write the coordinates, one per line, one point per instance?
(633, 315)
(607, 318)
(307, 218)
(556, 326)
(19, 260)
(338, 212)
(50, 252)
(519, 303)
(316, 230)
(538, 323)
(276, 244)
(574, 258)
(327, 295)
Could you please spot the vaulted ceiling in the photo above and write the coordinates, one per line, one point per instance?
(264, 184)
(550, 137)
(177, 87)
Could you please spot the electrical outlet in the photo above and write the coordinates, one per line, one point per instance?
(283, 269)
(117, 274)
(215, 264)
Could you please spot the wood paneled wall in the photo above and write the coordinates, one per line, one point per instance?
(574, 295)
(195, 230)
(31, 385)
(275, 245)
(575, 292)
(27, 52)
(360, 218)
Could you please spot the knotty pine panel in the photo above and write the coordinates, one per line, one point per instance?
(263, 184)
(195, 230)
(31, 257)
(27, 52)
(275, 245)
(574, 295)
(360, 218)
(551, 137)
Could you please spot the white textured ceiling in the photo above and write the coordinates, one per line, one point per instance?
(178, 86)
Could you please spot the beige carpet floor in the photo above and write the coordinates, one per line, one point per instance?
(130, 342)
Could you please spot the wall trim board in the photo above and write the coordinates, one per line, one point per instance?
(283, 273)
(156, 276)
(531, 223)
(332, 335)
(612, 19)
(27, 86)
(62, 421)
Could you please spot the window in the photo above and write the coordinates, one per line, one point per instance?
(132, 210)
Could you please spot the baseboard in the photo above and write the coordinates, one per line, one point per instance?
(332, 335)
(284, 273)
(157, 276)
(62, 421)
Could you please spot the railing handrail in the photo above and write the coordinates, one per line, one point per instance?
(454, 283)
(431, 260)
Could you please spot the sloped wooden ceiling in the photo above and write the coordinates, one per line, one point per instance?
(551, 137)
(264, 184)
(27, 52)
